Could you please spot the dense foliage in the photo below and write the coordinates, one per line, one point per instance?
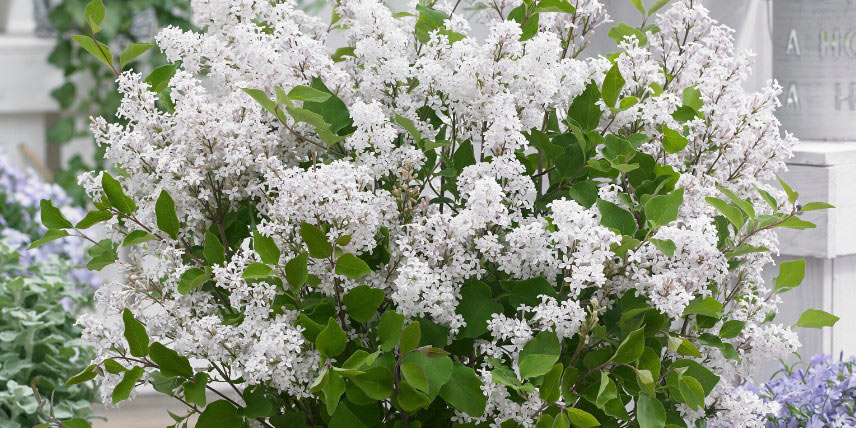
(424, 229)
(88, 88)
(41, 293)
(821, 393)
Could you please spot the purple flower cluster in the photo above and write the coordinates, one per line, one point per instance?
(823, 394)
(20, 193)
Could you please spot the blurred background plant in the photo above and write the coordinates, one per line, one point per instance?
(42, 291)
(88, 88)
(819, 393)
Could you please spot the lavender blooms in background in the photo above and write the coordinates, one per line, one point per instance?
(20, 193)
(822, 394)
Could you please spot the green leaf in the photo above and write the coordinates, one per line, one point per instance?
(673, 141)
(410, 399)
(549, 389)
(118, 199)
(103, 254)
(132, 51)
(707, 306)
(415, 376)
(582, 419)
(559, 6)
(332, 386)
(410, 337)
(683, 347)
(192, 278)
(814, 206)
(663, 209)
(439, 370)
(220, 414)
(667, 246)
(631, 348)
(50, 235)
(296, 270)
(194, 390)
(732, 213)
(429, 21)
(613, 83)
(362, 302)
(615, 217)
(639, 6)
(622, 31)
(332, 340)
(262, 98)
(691, 391)
(213, 251)
(306, 93)
(52, 217)
(351, 266)
(561, 421)
(731, 329)
(257, 404)
(791, 274)
(167, 219)
(650, 412)
(657, 5)
(333, 111)
(539, 355)
(92, 218)
(692, 98)
(797, 223)
(123, 389)
(135, 334)
(94, 14)
(569, 379)
(169, 362)
(645, 380)
(745, 206)
(389, 330)
(266, 248)
(257, 271)
(607, 391)
(584, 109)
(340, 53)
(376, 382)
(408, 125)
(528, 21)
(627, 102)
(316, 241)
(815, 318)
(771, 201)
(584, 192)
(476, 306)
(137, 237)
(792, 195)
(86, 374)
(463, 391)
(97, 49)
(71, 423)
(159, 78)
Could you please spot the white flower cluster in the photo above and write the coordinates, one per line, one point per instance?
(219, 152)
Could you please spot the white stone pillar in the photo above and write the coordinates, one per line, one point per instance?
(27, 79)
(814, 58)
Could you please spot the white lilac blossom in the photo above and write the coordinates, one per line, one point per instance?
(341, 230)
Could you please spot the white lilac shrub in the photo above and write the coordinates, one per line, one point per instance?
(422, 228)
